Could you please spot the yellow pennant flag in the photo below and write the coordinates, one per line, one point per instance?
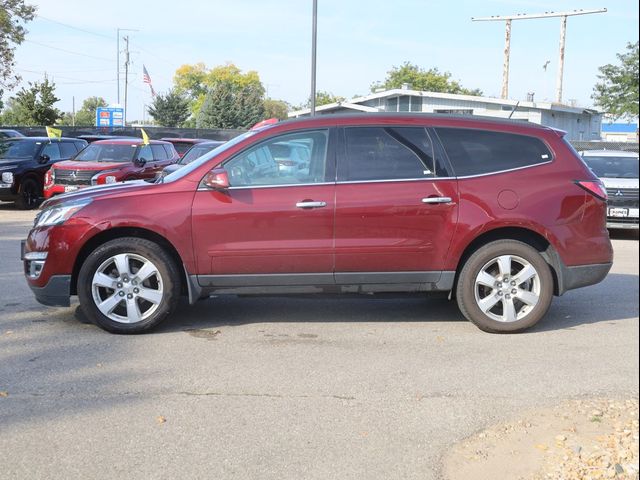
(145, 137)
(53, 132)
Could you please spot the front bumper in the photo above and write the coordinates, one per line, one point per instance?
(55, 293)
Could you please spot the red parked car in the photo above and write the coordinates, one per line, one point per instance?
(501, 214)
(110, 161)
(183, 144)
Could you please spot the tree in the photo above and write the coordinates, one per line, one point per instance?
(170, 110)
(322, 98)
(195, 81)
(34, 105)
(617, 91)
(86, 116)
(13, 13)
(275, 109)
(425, 80)
(228, 106)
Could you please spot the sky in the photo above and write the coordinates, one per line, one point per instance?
(74, 42)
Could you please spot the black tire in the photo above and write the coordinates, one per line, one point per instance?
(29, 194)
(165, 284)
(468, 292)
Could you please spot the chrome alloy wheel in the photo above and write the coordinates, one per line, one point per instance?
(127, 288)
(507, 288)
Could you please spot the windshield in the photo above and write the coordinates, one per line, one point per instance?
(181, 172)
(10, 149)
(108, 153)
(613, 167)
(195, 152)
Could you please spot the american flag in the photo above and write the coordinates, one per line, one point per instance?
(147, 79)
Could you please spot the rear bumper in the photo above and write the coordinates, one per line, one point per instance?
(55, 293)
(582, 276)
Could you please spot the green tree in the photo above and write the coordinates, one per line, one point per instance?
(195, 81)
(34, 105)
(170, 110)
(13, 15)
(617, 91)
(228, 106)
(322, 98)
(86, 116)
(425, 80)
(275, 109)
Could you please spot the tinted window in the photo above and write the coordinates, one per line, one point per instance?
(182, 147)
(159, 152)
(259, 166)
(377, 153)
(613, 167)
(474, 152)
(169, 149)
(67, 149)
(51, 149)
(80, 145)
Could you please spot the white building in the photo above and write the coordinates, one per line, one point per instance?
(579, 123)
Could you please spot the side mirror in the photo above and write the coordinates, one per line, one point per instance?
(140, 162)
(217, 179)
(44, 158)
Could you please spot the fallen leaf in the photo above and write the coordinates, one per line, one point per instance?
(4, 394)
(161, 419)
(542, 446)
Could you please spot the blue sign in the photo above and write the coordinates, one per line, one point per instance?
(109, 117)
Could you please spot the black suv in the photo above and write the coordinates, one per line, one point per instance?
(24, 162)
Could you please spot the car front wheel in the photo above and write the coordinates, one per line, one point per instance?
(505, 286)
(128, 285)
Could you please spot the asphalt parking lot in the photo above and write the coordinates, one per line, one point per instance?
(279, 388)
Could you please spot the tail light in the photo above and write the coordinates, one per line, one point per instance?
(595, 188)
(49, 178)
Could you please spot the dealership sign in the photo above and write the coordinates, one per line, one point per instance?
(109, 117)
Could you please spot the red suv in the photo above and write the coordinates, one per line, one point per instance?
(503, 215)
(110, 161)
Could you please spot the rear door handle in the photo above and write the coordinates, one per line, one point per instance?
(436, 200)
(311, 204)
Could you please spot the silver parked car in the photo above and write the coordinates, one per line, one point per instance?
(619, 172)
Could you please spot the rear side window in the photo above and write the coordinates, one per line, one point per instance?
(387, 153)
(159, 153)
(67, 149)
(169, 149)
(476, 152)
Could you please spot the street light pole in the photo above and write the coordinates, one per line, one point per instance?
(313, 56)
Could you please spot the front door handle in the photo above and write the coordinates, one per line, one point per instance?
(310, 204)
(437, 200)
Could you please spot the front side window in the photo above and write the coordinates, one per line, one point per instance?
(159, 152)
(477, 152)
(387, 153)
(145, 153)
(68, 149)
(52, 150)
(291, 159)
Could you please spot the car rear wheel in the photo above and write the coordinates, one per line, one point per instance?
(505, 286)
(29, 194)
(128, 285)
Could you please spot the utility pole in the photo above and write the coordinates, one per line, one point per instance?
(524, 16)
(126, 76)
(73, 110)
(314, 37)
(118, 30)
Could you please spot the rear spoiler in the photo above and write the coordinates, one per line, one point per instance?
(558, 132)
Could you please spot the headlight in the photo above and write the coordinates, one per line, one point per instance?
(60, 213)
(7, 177)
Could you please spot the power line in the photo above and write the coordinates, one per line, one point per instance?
(69, 51)
(75, 28)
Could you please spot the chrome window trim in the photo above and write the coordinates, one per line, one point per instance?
(346, 182)
(245, 187)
